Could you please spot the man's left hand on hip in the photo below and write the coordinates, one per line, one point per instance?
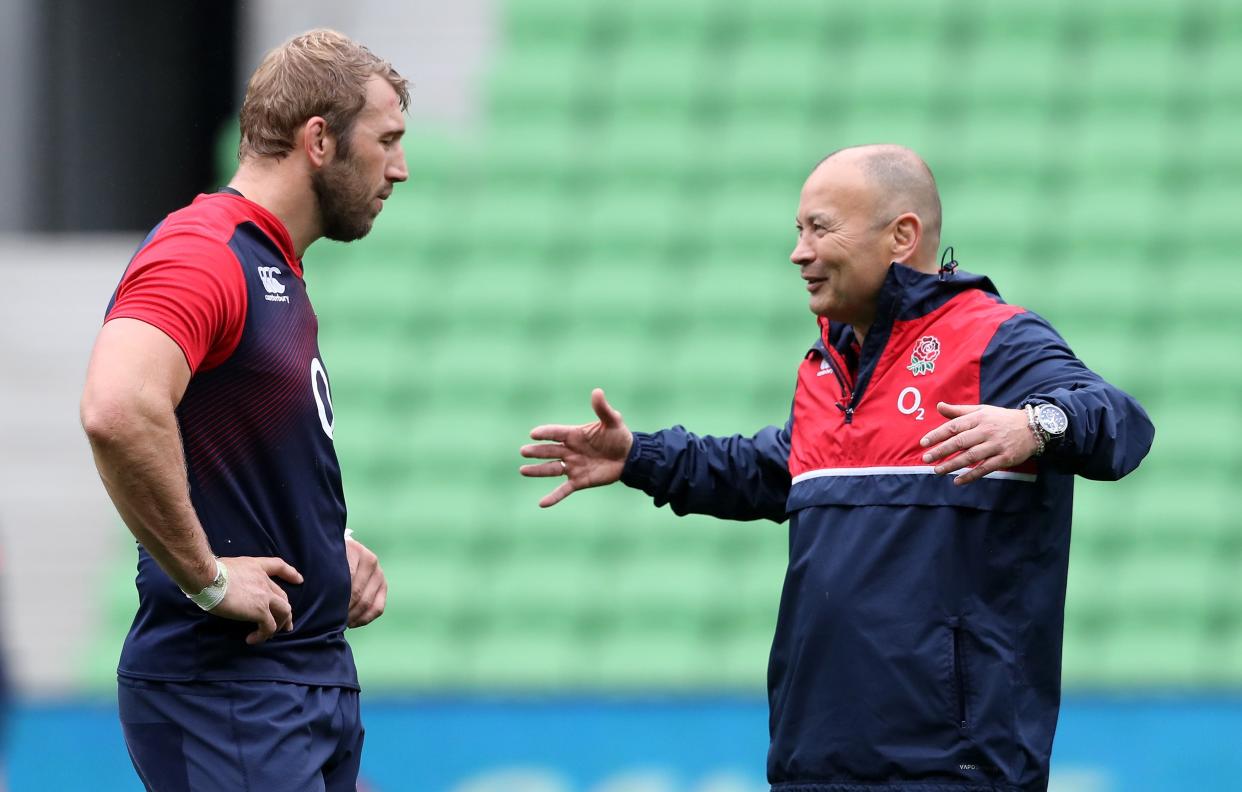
(368, 591)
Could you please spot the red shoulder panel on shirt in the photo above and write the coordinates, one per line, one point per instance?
(190, 287)
(188, 283)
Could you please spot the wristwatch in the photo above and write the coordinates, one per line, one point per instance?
(1048, 423)
(213, 593)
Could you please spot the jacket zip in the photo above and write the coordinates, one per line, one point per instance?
(882, 329)
(838, 368)
(959, 676)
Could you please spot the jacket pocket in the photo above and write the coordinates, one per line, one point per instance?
(960, 678)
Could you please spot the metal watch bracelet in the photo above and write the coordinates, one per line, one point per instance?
(1041, 439)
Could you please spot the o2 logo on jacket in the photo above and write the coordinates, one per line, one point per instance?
(323, 396)
(910, 402)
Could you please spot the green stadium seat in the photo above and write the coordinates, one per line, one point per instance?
(535, 22)
(657, 81)
(1146, 651)
(540, 81)
(652, 24)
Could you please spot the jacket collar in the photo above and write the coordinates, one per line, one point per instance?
(905, 295)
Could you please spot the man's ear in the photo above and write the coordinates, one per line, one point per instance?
(907, 233)
(317, 142)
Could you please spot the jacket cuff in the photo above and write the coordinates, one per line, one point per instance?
(642, 462)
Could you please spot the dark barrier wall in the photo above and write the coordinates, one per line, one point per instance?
(131, 97)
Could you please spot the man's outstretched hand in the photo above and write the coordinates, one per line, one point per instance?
(589, 455)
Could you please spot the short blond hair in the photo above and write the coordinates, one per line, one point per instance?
(319, 73)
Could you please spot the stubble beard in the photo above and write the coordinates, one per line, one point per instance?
(344, 200)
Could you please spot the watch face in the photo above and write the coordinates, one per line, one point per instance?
(1052, 419)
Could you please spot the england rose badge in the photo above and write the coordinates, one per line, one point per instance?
(923, 358)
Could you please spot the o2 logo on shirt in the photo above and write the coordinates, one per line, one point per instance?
(910, 402)
(323, 396)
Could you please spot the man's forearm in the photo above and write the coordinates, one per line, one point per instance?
(732, 478)
(139, 456)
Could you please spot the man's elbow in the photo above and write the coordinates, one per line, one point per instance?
(1125, 452)
(103, 417)
(1139, 434)
(1143, 434)
(109, 415)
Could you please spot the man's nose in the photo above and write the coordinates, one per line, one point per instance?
(397, 170)
(802, 253)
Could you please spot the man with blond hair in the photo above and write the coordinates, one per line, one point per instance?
(209, 412)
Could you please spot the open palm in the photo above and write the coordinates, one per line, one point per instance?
(588, 455)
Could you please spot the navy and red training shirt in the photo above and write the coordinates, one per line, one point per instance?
(221, 279)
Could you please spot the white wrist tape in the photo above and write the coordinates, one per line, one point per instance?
(213, 594)
(349, 533)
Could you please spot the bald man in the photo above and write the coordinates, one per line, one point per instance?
(927, 472)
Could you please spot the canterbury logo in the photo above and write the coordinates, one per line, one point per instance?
(273, 286)
(268, 276)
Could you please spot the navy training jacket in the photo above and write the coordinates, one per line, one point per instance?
(918, 643)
